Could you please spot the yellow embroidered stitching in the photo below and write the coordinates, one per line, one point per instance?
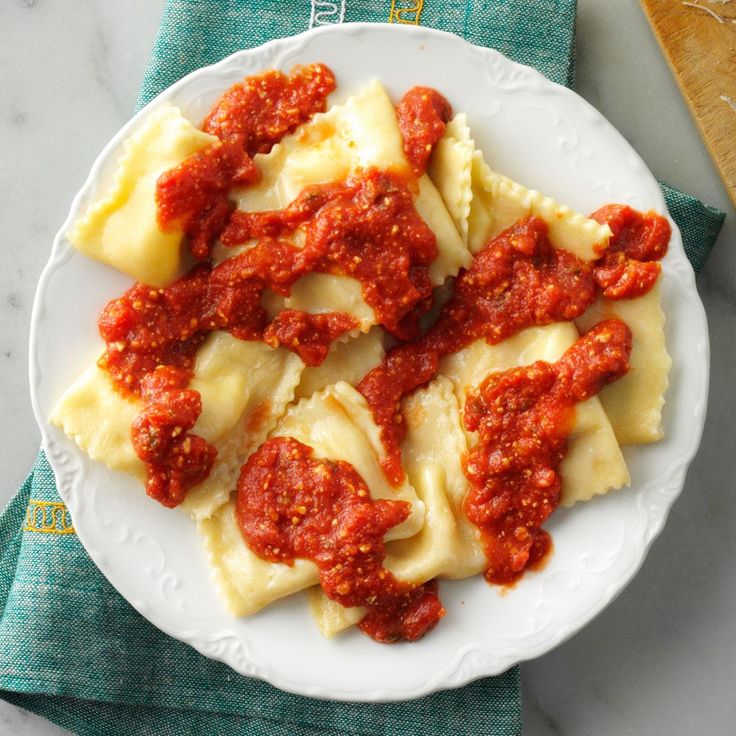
(409, 14)
(48, 517)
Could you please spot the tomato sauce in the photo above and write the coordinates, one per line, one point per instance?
(259, 111)
(147, 327)
(523, 417)
(423, 113)
(628, 268)
(308, 335)
(152, 335)
(403, 369)
(292, 505)
(366, 228)
(244, 226)
(193, 196)
(517, 281)
(249, 118)
(177, 460)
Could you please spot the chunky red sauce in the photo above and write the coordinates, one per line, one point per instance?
(308, 335)
(403, 369)
(177, 460)
(628, 268)
(152, 335)
(193, 196)
(292, 505)
(248, 119)
(366, 228)
(523, 417)
(423, 113)
(146, 327)
(244, 226)
(259, 111)
(517, 281)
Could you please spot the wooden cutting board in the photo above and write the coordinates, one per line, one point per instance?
(701, 51)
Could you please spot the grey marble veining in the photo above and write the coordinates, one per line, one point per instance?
(69, 80)
(662, 658)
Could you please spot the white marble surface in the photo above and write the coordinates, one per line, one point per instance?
(662, 658)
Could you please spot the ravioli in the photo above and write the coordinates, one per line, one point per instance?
(93, 414)
(247, 582)
(449, 545)
(338, 425)
(594, 463)
(497, 202)
(427, 555)
(348, 361)
(362, 133)
(318, 293)
(634, 403)
(244, 386)
(450, 170)
(436, 469)
(331, 422)
(251, 392)
(483, 203)
(120, 228)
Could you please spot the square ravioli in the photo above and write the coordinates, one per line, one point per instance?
(244, 387)
(333, 423)
(449, 545)
(121, 227)
(359, 135)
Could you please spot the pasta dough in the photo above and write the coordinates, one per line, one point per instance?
(594, 463)
(450, 169)
(328, 423)
(317, 293)
(634, 403)
(93, 414)
(436, 468)
(246, 582)
(448, 544)
(497, 202)
(245, 387)
(361, 134)
(483, 203)
(348, 361)
(121, 228)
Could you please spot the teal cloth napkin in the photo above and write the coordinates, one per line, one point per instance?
(71, 649)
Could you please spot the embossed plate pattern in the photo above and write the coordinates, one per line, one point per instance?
(544, 136)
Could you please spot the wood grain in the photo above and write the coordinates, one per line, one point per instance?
(701, 52)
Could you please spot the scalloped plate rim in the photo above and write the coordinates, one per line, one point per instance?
(685, 280)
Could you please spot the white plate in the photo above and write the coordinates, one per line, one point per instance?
(537, 132)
